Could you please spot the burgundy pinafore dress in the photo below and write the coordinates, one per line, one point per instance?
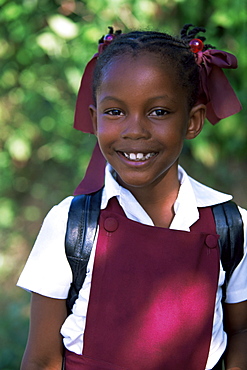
(152, 296)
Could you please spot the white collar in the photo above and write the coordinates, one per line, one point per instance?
(192, 195)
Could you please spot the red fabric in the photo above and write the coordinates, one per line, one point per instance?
(152, 296)
(82, 119)
(77, 362)
(95, 175)
(216, 91)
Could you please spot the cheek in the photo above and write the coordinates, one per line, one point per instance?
(105, 135)
(107, 130)
(168, 132)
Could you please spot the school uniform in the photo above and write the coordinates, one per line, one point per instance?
(146, 284)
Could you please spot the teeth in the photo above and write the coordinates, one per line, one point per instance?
(138, 156)
(132, 156)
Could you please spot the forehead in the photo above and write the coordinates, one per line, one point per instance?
(145, 72)
(142, 62)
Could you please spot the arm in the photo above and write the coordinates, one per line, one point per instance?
(235, 316)
(44, 350)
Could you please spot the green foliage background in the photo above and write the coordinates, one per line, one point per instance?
(44, 46)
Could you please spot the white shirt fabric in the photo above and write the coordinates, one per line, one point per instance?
(47, 271)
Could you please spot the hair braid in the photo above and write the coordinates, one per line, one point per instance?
(188, 35)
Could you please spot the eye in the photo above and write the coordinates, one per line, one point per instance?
(159, 112)
(114, 112)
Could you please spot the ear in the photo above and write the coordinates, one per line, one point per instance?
(93, 114)
(196, 121)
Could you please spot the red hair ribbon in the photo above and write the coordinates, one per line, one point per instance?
(95, 174)
(82, 119)
(216, 91)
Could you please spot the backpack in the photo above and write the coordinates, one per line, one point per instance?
(82, 226)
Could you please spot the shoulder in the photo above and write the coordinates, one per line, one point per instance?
(62, 207)
(58, 214)
(243, 213)
(198, 193)
(41, 274)
(207, 196)
(237, 287)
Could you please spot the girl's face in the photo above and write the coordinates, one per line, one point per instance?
(141, 119)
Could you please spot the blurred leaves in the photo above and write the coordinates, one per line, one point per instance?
(44, 47)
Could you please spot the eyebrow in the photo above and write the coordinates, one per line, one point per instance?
(107, 98)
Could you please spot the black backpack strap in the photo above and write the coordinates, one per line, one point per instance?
(80, 234)
(229, 225)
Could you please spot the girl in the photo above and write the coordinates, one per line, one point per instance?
(152, 295)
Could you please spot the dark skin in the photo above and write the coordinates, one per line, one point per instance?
(156, 118)
(44, 349)
(236, 327)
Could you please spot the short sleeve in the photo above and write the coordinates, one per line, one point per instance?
(237, 286)
(47, 271)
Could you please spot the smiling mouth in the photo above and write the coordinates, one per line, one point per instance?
(138, 157)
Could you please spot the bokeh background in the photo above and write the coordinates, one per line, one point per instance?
(44, 46)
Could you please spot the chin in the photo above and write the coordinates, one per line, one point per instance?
(133, 183)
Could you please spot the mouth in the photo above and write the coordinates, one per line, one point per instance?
(138, 157)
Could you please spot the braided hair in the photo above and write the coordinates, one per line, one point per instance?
(172, 50)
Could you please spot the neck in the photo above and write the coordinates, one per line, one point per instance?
(158, 199)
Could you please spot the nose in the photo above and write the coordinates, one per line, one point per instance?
(135, 128)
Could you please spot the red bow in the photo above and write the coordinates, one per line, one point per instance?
(82, 119)
(95, 174)
(216, 91)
